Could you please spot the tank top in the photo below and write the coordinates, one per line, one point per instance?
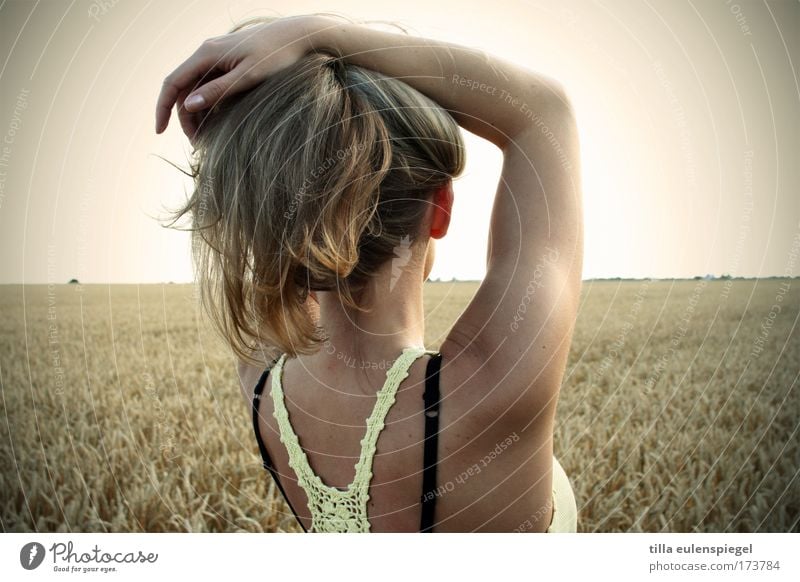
(345, 510)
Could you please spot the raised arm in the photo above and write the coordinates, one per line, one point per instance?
(516, 332)
(482, 93)
(477, 90)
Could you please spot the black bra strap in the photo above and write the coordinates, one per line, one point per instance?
(267, 461)
(431, 398)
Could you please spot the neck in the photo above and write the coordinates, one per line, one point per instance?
(393, 320)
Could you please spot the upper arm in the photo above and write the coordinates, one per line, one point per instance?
(519, 324)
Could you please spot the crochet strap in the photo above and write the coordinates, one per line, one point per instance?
(333, 509)
(376, 422)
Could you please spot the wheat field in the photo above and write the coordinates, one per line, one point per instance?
(678, 411)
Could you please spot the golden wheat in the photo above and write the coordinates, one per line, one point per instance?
(678, 412)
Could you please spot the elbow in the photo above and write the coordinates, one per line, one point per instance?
(546, 110)
(551, 95)
(561, 99)
(555, 104)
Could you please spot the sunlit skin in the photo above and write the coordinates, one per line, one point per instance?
(497, 378)
(395, 318)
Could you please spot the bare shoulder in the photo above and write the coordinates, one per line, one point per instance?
(512, 340)
(250, 373)
(248, 377)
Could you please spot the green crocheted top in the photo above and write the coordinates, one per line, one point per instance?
(333, 509)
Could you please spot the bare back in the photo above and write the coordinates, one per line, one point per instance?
(492, 474)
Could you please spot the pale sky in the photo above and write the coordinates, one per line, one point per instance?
(689, 117)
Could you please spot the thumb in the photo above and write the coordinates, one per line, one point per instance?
(210, 93)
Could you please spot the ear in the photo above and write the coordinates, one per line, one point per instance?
(442, 206)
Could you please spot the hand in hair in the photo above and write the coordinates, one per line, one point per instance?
(228, 64)
(528, 300)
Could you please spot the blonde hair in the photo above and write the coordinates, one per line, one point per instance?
(308, 182)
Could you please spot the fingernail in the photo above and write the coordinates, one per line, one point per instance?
(194, 101)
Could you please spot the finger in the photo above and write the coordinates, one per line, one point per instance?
(209, 94)
(185, 76)
(166, 99)
(188, 120)
(192, 117)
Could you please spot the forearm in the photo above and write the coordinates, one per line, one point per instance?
(492, 98)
